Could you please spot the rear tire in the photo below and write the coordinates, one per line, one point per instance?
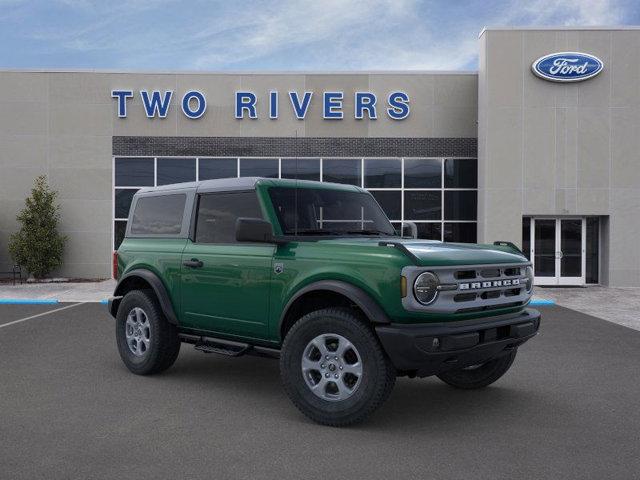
(146, 341)
(334, 369)
(479, 376)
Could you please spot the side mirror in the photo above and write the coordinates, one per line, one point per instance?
(253, 230)
(411, 227)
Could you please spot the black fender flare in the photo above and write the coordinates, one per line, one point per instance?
(157, 286)
(362, 299)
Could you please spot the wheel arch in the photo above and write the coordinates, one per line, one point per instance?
(339, 292)
(144, 279)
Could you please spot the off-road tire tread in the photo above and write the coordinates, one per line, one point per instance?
(167, 345)
(381, 393)
(482, 377)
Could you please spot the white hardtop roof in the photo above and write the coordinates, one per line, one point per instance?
(233, 183)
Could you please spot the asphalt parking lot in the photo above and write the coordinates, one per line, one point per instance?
(569, 408)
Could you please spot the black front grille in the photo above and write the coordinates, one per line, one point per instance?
(489, 307)
(490, 272)
(464, 297)
(464, 274)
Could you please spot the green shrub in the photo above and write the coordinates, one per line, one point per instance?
(38, 246)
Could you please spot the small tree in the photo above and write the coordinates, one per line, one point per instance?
(38, 246)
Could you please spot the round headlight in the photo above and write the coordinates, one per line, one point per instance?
(425, 288)
(529, 280)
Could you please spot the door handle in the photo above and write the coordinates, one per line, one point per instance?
(193, 263)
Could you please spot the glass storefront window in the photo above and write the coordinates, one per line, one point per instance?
(391, 203)
(382, 173)
(423, 205)
(460, 173)
(134, 172)
(422, 173)
(341, 170)
(430, 231)
(300, 168)
(212, 168)
(119, 227)
(460, 205)
(176, 170)
(442, 212)
(259, 167)
(123, 201)
(460, 232)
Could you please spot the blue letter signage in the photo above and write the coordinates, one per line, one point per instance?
(156, 105)
(200, 100)
(567, 66)
(193, 104)
(122, 96)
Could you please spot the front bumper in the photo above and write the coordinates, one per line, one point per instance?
(428, 349)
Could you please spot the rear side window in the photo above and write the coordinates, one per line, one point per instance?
(158, 215)
(218, 212)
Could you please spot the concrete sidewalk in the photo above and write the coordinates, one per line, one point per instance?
(615, 304)
(62, 292)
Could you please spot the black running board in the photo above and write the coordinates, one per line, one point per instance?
(226, 347)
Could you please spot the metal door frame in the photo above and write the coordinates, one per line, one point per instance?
(558, 279)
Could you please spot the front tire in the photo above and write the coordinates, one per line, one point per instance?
(479, 376)
(333, 367)
(147, 342)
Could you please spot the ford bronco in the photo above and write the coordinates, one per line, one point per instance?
(313, 274)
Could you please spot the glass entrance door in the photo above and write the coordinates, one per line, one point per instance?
(558, 250)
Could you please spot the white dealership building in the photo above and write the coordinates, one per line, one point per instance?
(539, 147)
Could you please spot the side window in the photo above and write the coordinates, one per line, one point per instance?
(217, 214)
(158, 215)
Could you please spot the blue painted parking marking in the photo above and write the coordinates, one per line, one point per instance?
(28, 301)
(539, 303)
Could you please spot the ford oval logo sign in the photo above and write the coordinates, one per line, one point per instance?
(567, 66)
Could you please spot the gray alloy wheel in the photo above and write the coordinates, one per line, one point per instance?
(146, 341)
(332, 367)
(138, 331)
(313, 352)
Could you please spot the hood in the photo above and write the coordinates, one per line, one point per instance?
(450, 254)
(433, 253)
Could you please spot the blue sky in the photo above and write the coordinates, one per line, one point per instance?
(274, 35)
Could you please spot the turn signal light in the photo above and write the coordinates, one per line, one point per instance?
(403, 286)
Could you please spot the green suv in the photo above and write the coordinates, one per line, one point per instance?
(314, 274)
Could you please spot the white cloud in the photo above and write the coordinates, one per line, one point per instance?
(570, 12)
(386, 34)
(303, 34)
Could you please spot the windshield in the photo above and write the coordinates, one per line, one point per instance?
(319, 211)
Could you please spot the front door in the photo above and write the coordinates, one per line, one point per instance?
(225, 284)
(558, 250)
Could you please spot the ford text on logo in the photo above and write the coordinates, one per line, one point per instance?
(567, 66)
